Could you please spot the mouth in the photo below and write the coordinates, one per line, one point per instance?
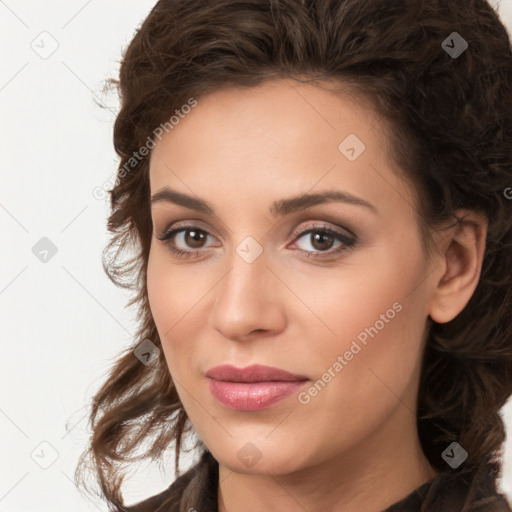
(252, 388)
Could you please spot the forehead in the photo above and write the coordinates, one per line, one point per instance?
(281, 134)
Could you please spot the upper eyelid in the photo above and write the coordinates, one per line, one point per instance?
(338, 221)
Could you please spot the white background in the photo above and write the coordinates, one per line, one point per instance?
(64, 322)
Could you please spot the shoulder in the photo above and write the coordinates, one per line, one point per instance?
(199, 483)
(479, 492)
(471, 491)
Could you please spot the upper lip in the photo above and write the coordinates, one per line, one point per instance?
(253, 373)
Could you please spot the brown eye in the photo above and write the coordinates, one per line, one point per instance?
(194, 238)
(322, 241)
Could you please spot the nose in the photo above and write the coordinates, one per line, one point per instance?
(249, 299)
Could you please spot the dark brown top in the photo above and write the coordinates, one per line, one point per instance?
(449, 491)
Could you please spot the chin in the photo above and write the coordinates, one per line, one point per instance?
(259, 457)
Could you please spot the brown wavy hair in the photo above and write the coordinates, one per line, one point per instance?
(450, 136)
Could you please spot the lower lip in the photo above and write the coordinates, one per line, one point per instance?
(252, 396)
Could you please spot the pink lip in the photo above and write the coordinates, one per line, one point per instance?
(252, 388)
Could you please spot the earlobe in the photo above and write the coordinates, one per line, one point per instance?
(460, 259)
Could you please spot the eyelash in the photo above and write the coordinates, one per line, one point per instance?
(348, 243)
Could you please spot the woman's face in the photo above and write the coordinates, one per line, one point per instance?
(345, 309)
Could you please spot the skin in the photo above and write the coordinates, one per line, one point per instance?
(354, 446)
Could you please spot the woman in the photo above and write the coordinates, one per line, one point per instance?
(317, 194)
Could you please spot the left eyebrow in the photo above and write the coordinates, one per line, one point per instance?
(293, 204)
(277, 209)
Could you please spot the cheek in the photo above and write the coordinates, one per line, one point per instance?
(348, 302)
(179, 304)
(369, 367)
(379, 330)
(160, 294)
(170, 292)
(374, 319)
(167, 300)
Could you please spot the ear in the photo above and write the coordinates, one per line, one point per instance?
(459, 263)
